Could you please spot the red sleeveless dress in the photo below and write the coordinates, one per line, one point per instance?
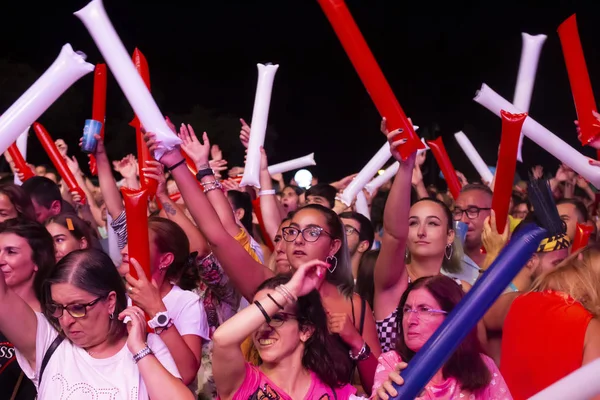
(542, 341)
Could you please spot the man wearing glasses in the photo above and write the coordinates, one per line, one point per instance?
(360, 236)
(472, 207)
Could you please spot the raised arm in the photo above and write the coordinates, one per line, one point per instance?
(270, 207)
(229, 365)
(154, 170)
(391, 277)
(245, 273)
(199, 152)
(108, 185)
(21, 331)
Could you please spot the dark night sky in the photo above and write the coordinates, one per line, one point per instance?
(435, 57)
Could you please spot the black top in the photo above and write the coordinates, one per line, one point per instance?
(10, 372)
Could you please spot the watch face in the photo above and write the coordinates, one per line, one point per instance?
(162, 320)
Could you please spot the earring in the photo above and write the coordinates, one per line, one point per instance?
(332, 261)
(448, 252)
(112, 315)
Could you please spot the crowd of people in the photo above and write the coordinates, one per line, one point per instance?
(293, 296)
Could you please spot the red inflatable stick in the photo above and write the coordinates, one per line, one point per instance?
(367, 68)
(143, 154)
(98, 106)
(136, 209)
(582, 236)
(261, 224)
(507, 165)
(441, 156)
(17, 157)
(57, 159)
(579, 80)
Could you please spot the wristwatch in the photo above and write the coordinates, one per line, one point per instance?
(160, 321)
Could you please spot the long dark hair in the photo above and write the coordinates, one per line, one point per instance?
(93, 271)
(365, 277)
(171, 238)
(341, 277)
(19, 199)
(324, 354)
(465, 364)
(41, 243)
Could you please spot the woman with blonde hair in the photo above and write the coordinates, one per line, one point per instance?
(554, 329)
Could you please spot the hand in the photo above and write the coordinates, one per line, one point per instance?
(595, 143)
(19, 174)
(561, 174)
(76, 197)
(245, 133)
(264, 162)
(387, 389)
(492, 241)
(582, 183)
(462, 178)
(127, 167)
(99, 146)
(170, 157)
(307, 277)
(343, 183)
(62, 147)
(73, 165)
(277, 177)
(144, 293)
(136, 328)
(341, 323)
(154, 170)
(198, 152)
(417, 175)
(395, 145)
(215, 152)
(218, 166)
(569, 172)
(230, 184)
(421, 157)
(537, 172)
(593, 162)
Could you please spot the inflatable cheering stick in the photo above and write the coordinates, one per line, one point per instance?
(507, 165)
(441, 156)
(102, 31)
(64, 71)
(579, 80)
(370, 74)
(57, 159)
(582, 236)
(292, 165)
(258, 129)
(98, 106)
(19, 161)
(473, 156)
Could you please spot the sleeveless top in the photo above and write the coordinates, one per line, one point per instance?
(12, 379)
(542, 341)
(388, 327)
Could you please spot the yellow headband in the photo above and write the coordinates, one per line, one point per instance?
(554, 243)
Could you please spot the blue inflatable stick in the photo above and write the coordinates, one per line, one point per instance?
(469, 311)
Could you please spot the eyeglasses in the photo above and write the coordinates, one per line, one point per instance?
(472, 212)
(422, 312)
(310, 234)
(350, 230)
(74, 310)
(280, 318)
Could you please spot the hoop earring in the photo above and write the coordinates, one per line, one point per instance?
(332, 261)
(447, 253)
(112, 315)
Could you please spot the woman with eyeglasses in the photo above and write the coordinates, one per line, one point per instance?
(315, 233)
(299, 359)
(417, 241)
(468, 373)
(26, 254)
(93, 353)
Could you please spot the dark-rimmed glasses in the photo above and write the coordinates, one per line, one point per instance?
(74, 310)
(310, 234)
(349, 229)
(280, 318)
(472, 212)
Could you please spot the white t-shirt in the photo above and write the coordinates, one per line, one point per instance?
(73, 374)
(187, 312)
